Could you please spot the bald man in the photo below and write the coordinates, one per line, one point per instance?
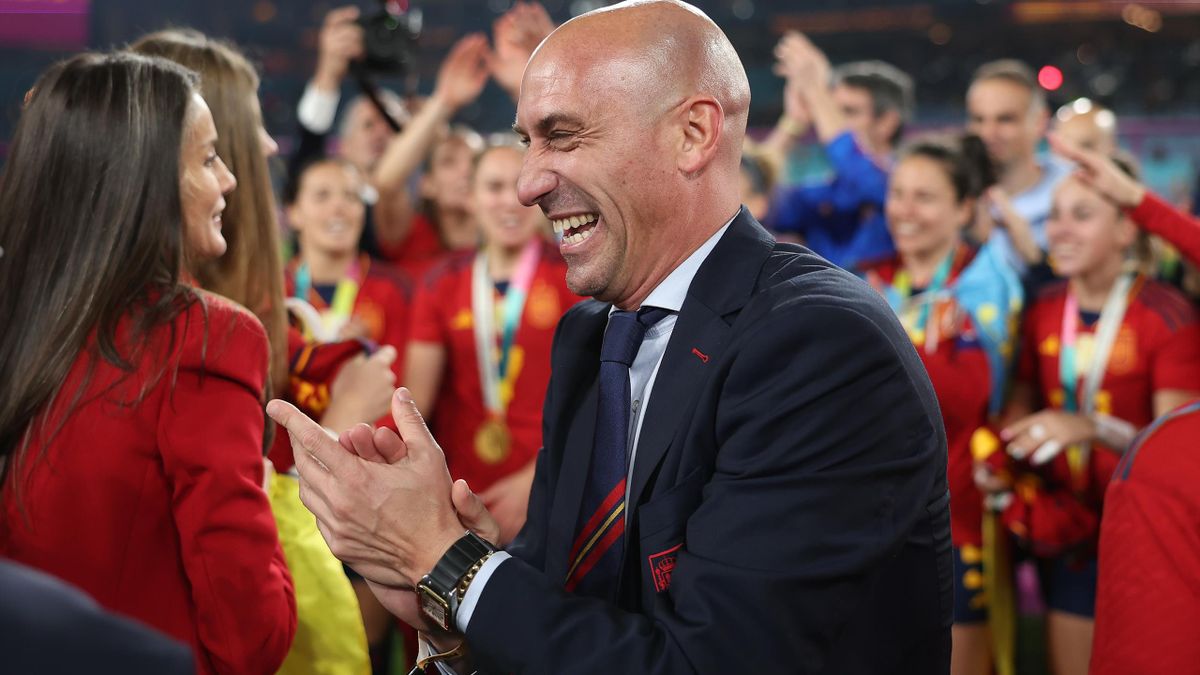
(1088, 125)
(744, 464)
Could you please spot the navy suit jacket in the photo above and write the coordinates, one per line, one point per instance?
(788, 508)
(48, 627)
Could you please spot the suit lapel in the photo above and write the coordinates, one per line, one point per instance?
(581, 367)
(722, 286)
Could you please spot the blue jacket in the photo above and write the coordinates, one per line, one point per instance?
(841, 220)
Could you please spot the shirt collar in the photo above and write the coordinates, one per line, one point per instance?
(671, 292)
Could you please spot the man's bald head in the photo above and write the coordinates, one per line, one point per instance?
(635, 116)
(654, 53)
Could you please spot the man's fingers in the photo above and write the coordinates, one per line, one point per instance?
(390, 446)
(362, 439)
(472, 513)
(411, 425)
(341, 15)
(316, 504)
(315, 452)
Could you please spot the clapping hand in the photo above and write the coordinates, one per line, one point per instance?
(464, 72)
(801, 62)
(339, 42)
(384, 501)
(515, 35)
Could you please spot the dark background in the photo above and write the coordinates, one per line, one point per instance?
(1141, 59)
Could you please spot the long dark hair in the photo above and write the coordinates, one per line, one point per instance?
(91, 226)
(251, 270)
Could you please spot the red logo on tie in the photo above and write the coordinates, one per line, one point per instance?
(661, 566)
(700, 355)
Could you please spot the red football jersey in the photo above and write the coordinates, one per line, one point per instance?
(1157, 347)
(442, 315)
(420, 251)
(961, 378)
(1148, 602)
(382, 307)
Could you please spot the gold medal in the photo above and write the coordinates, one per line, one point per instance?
(493, 442)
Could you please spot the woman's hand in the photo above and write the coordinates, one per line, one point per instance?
(1043, 435)
(362, 390)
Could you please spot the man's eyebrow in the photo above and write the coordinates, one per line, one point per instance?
(544, 125)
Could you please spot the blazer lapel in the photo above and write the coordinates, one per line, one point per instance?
(722, 286)
(581, 367)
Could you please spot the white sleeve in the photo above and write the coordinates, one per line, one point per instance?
(317, 109)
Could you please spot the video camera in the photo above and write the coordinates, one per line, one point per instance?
(390, 38)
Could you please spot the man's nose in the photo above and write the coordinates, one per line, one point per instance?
(535, 181)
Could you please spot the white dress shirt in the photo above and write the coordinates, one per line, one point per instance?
(670, 295)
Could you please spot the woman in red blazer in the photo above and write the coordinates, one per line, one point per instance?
(131, 430)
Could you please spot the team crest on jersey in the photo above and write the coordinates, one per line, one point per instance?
(542, 307)
(1124, 356)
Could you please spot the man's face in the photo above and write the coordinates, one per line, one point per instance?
(597, 161)
(1002, 114)
(366, 136)
(857, 109)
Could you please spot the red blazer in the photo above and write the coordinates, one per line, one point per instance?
(156, 509)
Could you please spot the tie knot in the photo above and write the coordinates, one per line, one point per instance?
(625, 333)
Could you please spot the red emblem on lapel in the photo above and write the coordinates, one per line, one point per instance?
(661, 566)
(700, 355)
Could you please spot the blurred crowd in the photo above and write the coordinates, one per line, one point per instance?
(1051, 296)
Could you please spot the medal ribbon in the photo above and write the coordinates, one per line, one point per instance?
(1111, 316)
(344, 297)
(923, 302)
(493, 367)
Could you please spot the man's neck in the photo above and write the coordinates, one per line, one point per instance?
(665, 265)
(1091, 288)
(1021, 176)
(458, 229)
(327, 267)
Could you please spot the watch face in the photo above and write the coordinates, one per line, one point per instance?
(434, 607)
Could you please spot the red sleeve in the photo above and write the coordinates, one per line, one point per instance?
(428, 323)
(1179, 229)
(1176, 363)
(210, 435)
(1147, 607)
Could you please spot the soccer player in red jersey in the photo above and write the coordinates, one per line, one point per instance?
(479, 356)
(1103, 353)
(1146, 605)
(348, 295)
(962, 338)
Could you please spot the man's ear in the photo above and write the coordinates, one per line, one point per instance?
(886, 125)
(702, 121)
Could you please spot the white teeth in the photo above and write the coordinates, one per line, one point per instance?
(578, 237)
(562, 224)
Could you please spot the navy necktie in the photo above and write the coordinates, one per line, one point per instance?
(599, 542)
